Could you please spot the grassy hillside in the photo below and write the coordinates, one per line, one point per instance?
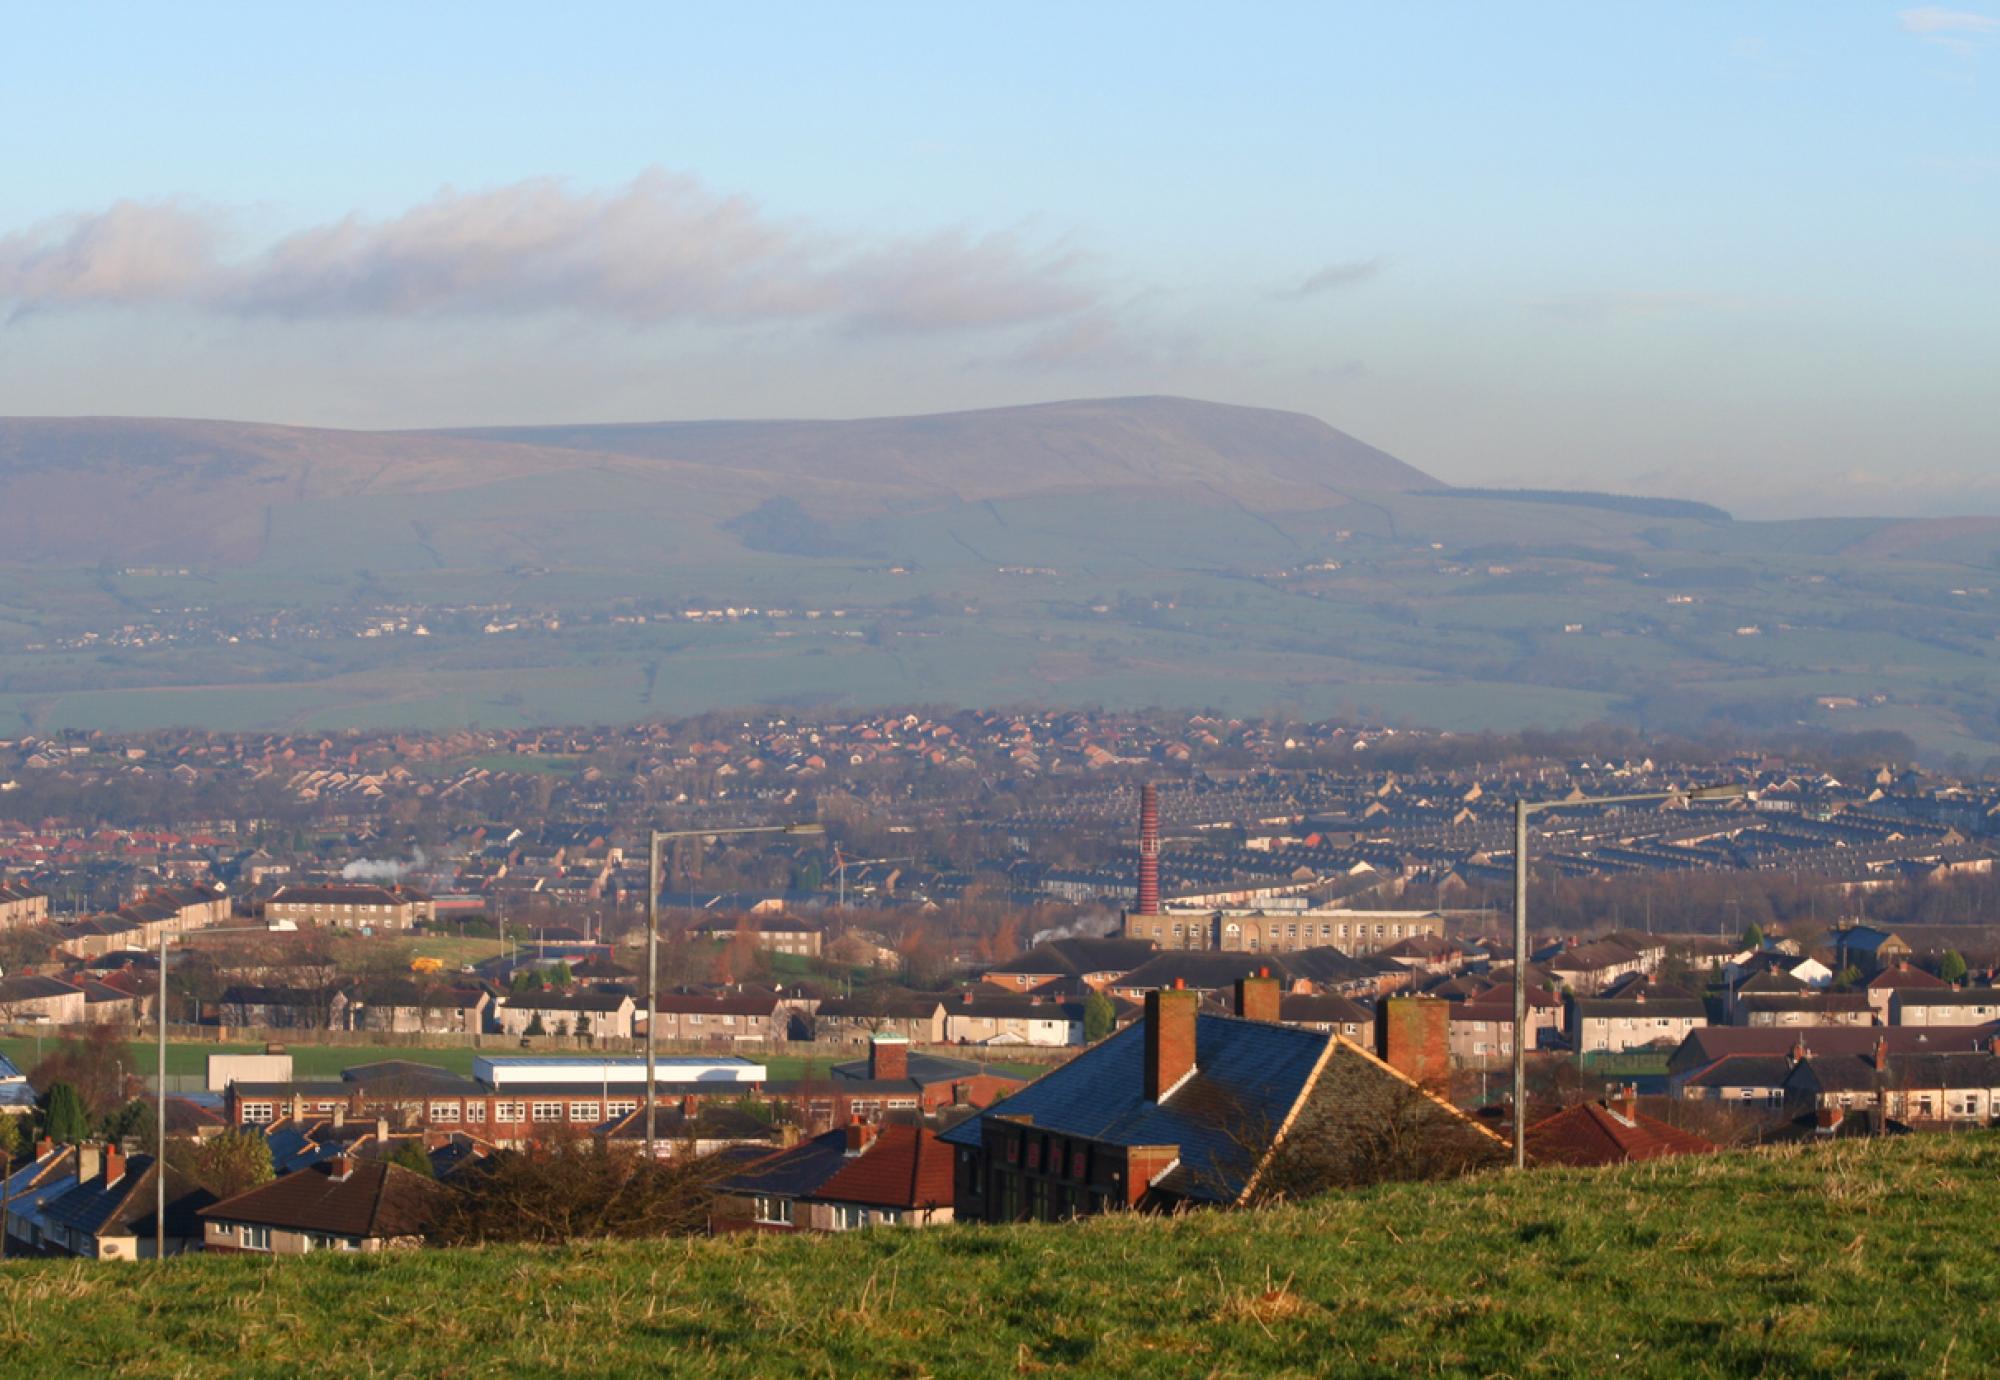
(1858, 1259)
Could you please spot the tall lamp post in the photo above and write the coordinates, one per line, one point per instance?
(160, 1092)
(661, 836)
(1523, 809)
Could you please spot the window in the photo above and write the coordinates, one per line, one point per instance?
(847, 1218)
(548, 1111)
(620, 1107)
(889, 1217)
(254, 1238)
(693, 1019)
(510, 1111)
(444, 1111)
(583, 1111)
(257, 1112)
(475, 1112)
(768, 1209)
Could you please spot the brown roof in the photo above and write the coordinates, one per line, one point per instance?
(375, 1199)
(1594, 1133)
(906, 1167)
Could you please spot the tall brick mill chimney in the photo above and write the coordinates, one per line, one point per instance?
(1149, 850)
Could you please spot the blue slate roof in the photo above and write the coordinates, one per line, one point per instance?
(797, 1172)
(1248, 1077)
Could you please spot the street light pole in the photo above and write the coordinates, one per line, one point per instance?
(1521, 812)
(1523, 808)
(660, 836)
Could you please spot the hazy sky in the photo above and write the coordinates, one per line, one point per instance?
(1749, 252)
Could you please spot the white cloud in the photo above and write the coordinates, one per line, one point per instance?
(1954, 29)
(661, 249)
(1936, 19)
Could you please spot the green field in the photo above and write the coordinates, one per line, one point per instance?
(1863, 1258)
(1441, 613)
(190, 1058)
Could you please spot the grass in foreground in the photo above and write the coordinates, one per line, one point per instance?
(1856, 1259)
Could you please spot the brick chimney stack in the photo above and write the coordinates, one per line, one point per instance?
(860, 1135)
(1799, 1052)
(1881, 1054)
(1257, 998)
(114, 1163)
(339, 1168)
(1414, 1034)
(889, 1057)
(1149, 849)
(89, 1159)
(1170, 1037)
(1625, 1101)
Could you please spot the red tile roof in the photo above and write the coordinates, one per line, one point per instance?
(906, 1167)
(1593, 1133)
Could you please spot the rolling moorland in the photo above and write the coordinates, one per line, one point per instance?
(1122, 552)
(1862, 1257)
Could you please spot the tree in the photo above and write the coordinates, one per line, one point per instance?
(225, 1165)
(64, 1119)
(535, 1026)
(1099, 1016)
(1753, 936)
(568, 1190)
(1847, 979)
(91, 1067)
(134, 1123)
(560, 975)
(1952, 967)
(411, 1155)
(526, 980)
(13, 1140)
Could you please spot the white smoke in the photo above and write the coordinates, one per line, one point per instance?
(1103, 925)
(382, 869)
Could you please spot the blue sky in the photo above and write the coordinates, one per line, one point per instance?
(1746, 252)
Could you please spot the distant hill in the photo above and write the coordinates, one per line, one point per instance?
(90, 489)
(1586, 498)
(1255, 454)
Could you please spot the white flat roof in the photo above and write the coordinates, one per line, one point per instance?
(501, 1070)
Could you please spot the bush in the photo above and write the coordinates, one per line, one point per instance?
(569, 1190)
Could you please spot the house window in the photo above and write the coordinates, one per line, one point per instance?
(444, 1111)
(510, 1111)
(475, 1112)
(254, 1238)
(767, 1209)
(257, 1112)
(548, 1111)
(583, 1111)
(620, 1107)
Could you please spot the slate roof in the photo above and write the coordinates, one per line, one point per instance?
(1247, 1074)
(125, 1208)
(1591, 1133)
(376, 1199)
(797, 1172)
(1857, 1072)
(1075, 957)
(1200, 970)
(1294, 1008)
(925, 1069)
(1744, 1071)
